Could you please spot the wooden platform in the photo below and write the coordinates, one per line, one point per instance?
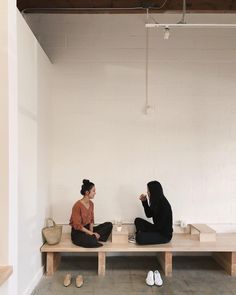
(224, 251)
(203, 232)
(121, 236)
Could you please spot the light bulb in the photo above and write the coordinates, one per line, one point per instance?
(148, 109)
(166, 33)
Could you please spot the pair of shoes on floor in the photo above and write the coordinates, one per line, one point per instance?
(78, 281)
(132, 239)
(154, 278)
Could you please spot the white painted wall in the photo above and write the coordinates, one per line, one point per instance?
(4, 142)
(8, 97)
(4, 134)
(13, 145)
(34, 110)
(100, 132)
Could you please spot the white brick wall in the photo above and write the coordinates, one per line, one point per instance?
(100, 132)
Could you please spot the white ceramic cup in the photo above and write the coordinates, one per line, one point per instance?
(118, 225)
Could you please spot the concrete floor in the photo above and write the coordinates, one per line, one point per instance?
(126, 275)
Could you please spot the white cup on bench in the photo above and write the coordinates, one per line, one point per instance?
(118, 225)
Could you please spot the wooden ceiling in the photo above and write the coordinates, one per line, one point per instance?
(125, 6)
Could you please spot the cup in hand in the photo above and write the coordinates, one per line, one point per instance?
(143, 197)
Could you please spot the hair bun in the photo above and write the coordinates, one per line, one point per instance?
(86, 186)
(85, 181)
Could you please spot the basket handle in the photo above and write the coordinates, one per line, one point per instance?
(53, 222)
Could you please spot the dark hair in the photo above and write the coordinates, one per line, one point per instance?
(156, 192)
(86, 186)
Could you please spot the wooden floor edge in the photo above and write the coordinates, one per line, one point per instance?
(5, 273)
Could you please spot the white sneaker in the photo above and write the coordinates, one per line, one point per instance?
(150, 278)
(157, 278)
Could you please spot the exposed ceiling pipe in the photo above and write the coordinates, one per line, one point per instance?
(182, 23)
(179, 25)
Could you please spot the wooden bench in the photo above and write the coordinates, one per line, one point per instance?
(223, 251)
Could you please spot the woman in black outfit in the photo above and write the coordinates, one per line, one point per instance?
(159, 209)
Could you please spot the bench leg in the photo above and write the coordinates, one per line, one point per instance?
(52, 262)
(165, 260)
(227, 260)
(101, 263)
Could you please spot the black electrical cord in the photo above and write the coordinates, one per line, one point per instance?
(151, 4)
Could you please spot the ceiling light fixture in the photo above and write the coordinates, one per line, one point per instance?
(167, 33)
(147, 107)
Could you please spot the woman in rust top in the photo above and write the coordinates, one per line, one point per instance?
(83, 232)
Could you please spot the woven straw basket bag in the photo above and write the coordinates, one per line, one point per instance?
(52, 234)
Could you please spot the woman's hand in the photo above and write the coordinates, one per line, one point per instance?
(97, 235)
(143, 197)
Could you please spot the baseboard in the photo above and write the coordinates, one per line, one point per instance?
(34, 282)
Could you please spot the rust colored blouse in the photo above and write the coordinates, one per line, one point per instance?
(81, 216)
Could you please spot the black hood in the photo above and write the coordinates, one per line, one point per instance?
(156, 192)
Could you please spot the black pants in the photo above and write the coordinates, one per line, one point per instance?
(82, 239)
(146, 233)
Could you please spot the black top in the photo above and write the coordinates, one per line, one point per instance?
(161, 215)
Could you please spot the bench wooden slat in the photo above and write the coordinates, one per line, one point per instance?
(179, 243)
